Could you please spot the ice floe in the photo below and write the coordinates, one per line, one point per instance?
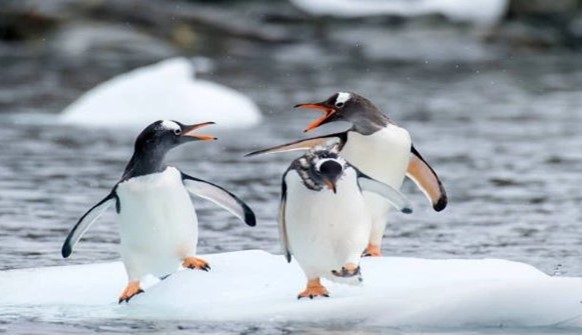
(482, 12)
(258, 286)
(165, 90)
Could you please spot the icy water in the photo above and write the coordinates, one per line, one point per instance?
(503, 133)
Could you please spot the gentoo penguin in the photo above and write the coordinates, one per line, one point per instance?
(323, 221)
(378, 147)
(158, 224)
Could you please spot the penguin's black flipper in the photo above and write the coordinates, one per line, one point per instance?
(282, 222)
(221, 197)
(304, 144)
(395, 197)
(427, 180)
(86, 221)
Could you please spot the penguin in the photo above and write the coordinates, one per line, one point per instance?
(378, 147)
(157, 221)
(323, 220)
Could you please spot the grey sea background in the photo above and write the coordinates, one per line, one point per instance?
(496, 111)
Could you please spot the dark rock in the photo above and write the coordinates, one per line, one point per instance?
(21, 24)
(161, 17)
(541, 24)
(177, 21)
(520, 8)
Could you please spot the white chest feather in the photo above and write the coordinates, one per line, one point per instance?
(384, 155)
(326, 230)
(157, 221)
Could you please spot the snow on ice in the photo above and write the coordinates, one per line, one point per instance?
(166, 90)
(480, 12)
(258, 286)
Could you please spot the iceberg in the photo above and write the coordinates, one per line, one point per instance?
(480, 12)
(255, 286)
(165, 90)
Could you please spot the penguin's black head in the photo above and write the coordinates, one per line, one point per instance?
(326, 167)
(163, 135)
(155, 141)
(350, 107)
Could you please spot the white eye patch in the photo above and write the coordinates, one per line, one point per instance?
(342, 97)
(170, 125)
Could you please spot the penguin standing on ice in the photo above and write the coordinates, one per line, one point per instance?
(323, 221)
(379, 148)
(157, 221)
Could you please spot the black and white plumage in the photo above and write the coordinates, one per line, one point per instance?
(377, 146)
(157, 221)
(323, 221)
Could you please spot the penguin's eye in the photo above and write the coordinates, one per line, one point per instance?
(178, 131)
(339, 104)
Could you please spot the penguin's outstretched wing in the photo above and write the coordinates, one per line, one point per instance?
(304, 144)
(87, 220)
(221, 197)
(427, 180)
(396, 199)
(282, 222)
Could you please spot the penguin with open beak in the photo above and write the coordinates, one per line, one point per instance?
(157, 221)
(378, 147)
(323, 220)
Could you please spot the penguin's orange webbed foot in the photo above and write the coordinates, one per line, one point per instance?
(196, 263)
(372, 251)
(314, 289)
(348, 270)
(130, 291)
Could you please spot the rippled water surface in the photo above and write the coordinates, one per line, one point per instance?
(503, 134)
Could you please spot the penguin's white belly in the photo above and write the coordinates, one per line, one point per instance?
(383, 156)
(326, 230)
(158, 223)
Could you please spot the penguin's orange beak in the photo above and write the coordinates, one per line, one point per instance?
(331, 185)
(188, 132)
(329, 111)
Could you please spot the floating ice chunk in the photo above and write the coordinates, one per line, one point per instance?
(166, 90)
(256, 286)
(483, 12)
